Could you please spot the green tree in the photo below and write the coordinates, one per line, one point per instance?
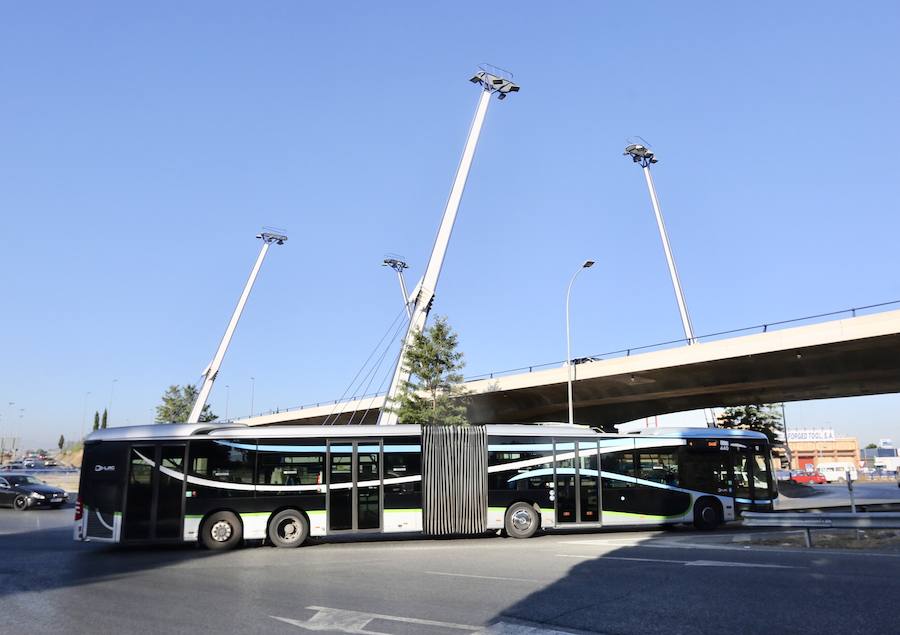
(765, 418)
(61, 442)
(434, 393)
(103, 420)
(177, 403)
(871, 446)
(96, 420)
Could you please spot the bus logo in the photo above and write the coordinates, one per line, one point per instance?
(104, 468)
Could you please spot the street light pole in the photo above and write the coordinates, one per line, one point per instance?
(492, 81)
(787, 444)
(209, 375)
(587, 264)
(84, 412)
(642, 155)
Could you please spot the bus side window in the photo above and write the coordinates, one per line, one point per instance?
(659, 466)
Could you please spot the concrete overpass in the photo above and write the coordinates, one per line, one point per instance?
(839, 358)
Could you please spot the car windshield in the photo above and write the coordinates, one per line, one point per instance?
(22, 480)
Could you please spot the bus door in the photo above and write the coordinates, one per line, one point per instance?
(577, 482)
(354, 485)
(741, 473)
(154, 494)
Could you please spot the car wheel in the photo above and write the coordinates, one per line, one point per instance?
(706, 514)
(288, 528)
(221, 531)
(522, 521)
(20, 503)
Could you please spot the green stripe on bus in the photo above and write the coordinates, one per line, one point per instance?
(403, 511)
(637, 515)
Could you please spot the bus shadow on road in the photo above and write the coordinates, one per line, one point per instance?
(46, 559)
(683, 581)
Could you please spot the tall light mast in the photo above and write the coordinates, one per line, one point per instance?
(642, 155)
(399, 265)
(209, 375)
(492, 81)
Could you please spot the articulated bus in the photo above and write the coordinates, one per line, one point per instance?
(222, 484)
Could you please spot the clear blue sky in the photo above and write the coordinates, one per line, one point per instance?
(143, 146)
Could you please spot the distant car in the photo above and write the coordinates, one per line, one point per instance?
(13, 465)
(812, 478)
(23, 491)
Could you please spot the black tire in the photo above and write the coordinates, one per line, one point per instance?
(288, 528)
(221, 531)
(707, 514)
(522, 521)
(20, 504)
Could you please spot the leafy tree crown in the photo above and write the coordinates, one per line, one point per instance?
(177, 403)
(434, 392)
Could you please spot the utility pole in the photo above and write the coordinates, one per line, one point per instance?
(209, 375)
(492, 81)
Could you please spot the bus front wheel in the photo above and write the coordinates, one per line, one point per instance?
(522, 521)
(707, 514)
(221, 531)
(288, 528)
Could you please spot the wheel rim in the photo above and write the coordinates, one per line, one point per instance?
(20, 503)
(289, 530)
(522, 520)
(708, 515)
(221, 531)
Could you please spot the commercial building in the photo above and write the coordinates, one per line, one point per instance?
(811, 448)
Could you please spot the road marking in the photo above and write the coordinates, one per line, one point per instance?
(687, 563)
(481, 577)
(344, 621)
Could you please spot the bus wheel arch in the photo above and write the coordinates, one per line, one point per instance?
(288, 527)
(522, 520)
(221, 530)
(708, 513)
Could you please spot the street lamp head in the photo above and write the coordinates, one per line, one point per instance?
(588, 264)
(495, 80)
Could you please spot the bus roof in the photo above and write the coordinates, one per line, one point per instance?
(237, 430)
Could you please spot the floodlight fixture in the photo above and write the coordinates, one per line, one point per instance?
(588, 264)
(395, 263)
(495, 80)
(270, 237)
(640, 153)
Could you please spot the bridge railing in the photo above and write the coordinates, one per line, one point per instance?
(627, 352)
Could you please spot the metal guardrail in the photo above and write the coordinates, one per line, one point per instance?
(822, 520)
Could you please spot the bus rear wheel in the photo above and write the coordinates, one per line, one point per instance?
(522, 521)
(221, 531)
(288, 528)
(707, 514)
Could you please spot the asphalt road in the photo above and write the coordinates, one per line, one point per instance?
(677, 581)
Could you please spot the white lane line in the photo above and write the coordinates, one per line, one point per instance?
(481, 577)
(344, 621)
(687, 563)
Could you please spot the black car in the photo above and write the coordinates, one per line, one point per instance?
(23, 491)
